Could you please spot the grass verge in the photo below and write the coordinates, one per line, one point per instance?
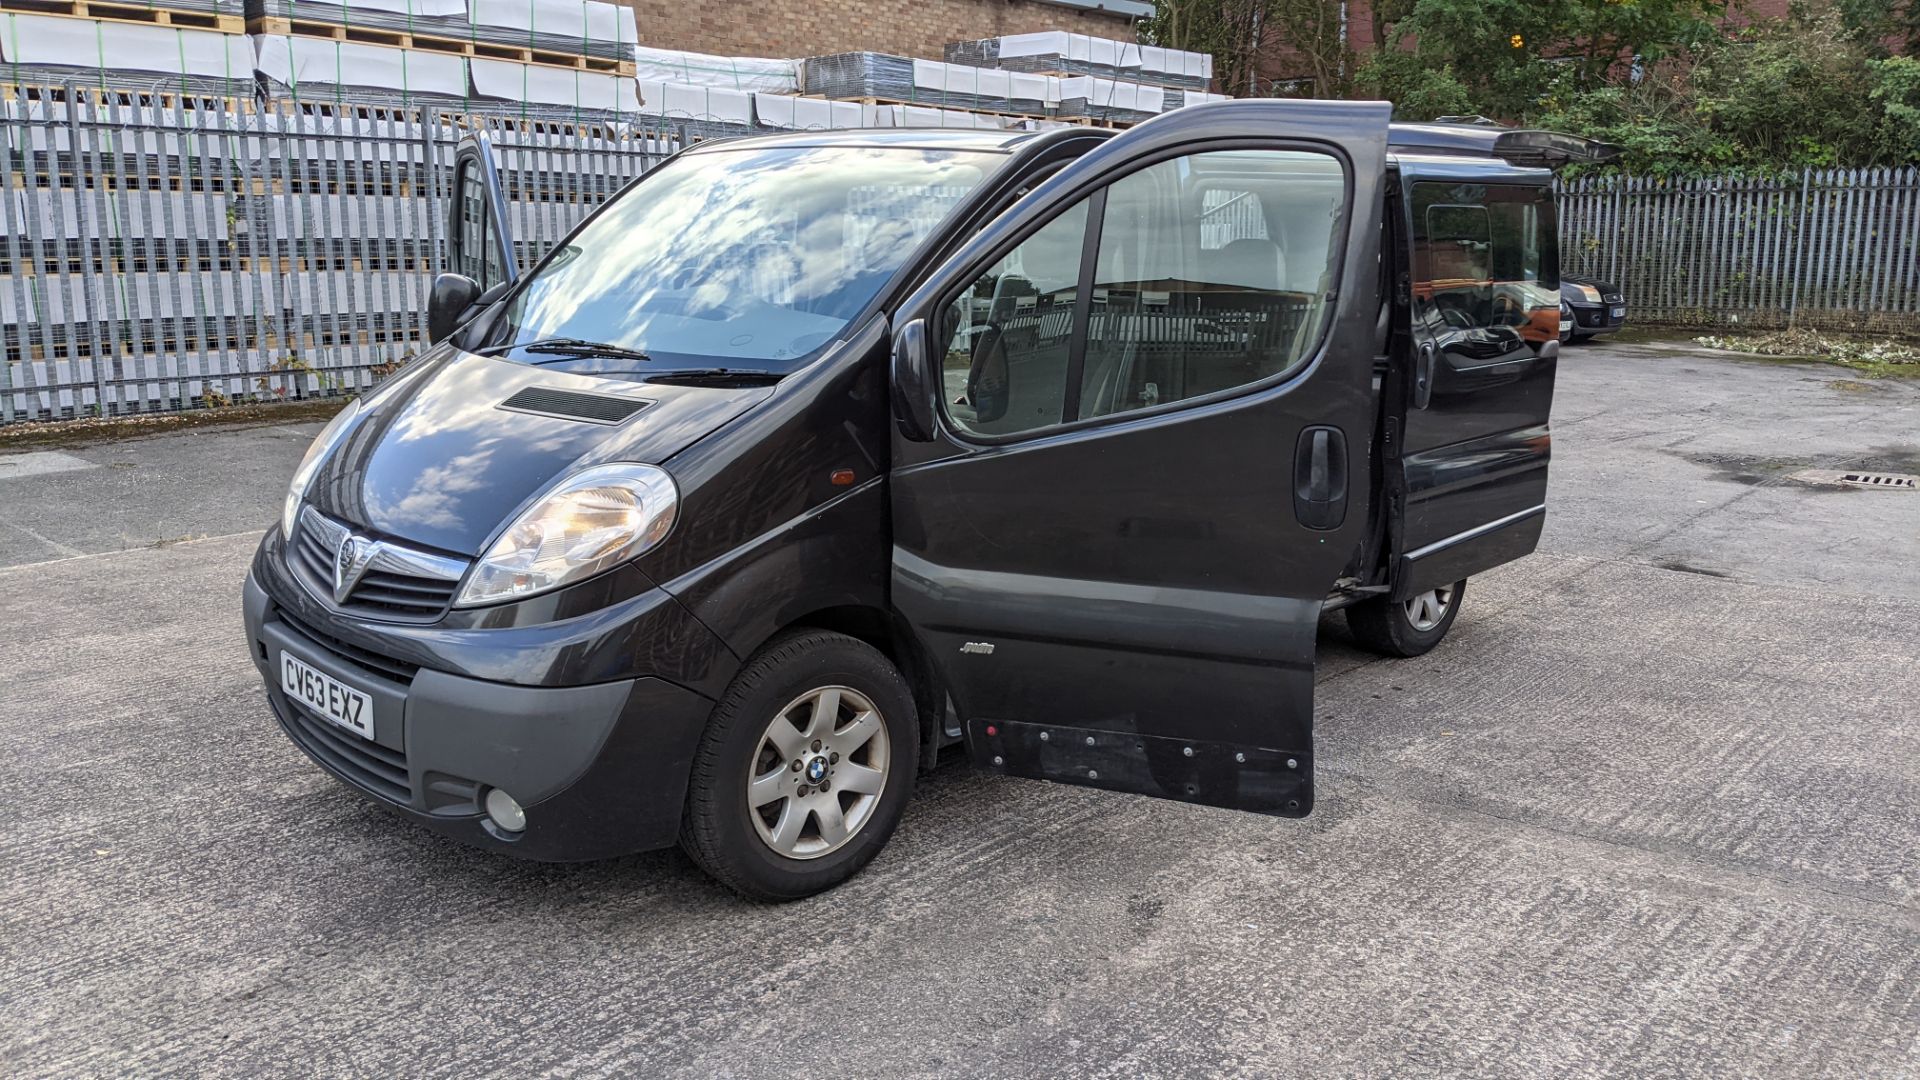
(101, 429)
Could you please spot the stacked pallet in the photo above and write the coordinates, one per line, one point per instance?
(1098, 78)
(565, 54)
(192, 46)
(751, 73)
(1057, 52)
(878, 78)
(1054, 75)
(587, 35)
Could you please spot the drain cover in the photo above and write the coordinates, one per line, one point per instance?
(1881, 480)
(1875, 481)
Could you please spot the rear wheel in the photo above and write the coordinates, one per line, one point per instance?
(804, 769)
(1407, 627)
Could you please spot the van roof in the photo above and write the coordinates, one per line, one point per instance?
(986, 139)
(1516, 146)
(1520, 146)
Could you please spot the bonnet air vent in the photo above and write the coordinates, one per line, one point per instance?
(571, 405)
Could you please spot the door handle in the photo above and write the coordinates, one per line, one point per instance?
(1423, 375)
(1320, 478)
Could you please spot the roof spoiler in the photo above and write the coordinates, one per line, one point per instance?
(1478, 135)
(1552, 149)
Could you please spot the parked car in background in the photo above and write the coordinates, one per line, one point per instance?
(1598, 308)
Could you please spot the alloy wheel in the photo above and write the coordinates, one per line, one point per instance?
(818, 771)
(1425, 611)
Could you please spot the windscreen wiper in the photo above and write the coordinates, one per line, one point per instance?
(722, 376)
(570, 347)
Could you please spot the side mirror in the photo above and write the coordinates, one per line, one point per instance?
(912, 392)
(447, 304)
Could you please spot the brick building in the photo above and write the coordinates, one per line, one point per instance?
(904, 27)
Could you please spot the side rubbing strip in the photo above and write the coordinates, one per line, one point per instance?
(1476, 532)
(1259, 779)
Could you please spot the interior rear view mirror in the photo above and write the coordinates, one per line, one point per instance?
(452, 295)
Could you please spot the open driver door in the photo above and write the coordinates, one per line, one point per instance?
(1130, 460)
(480, 250)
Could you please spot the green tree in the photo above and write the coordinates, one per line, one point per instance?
(1315, 32)
(1238, 34)
(1658, 77)
(1510, 53)
(1874, 23)
(1793, 92)
(1231, 31)
(1418, 90)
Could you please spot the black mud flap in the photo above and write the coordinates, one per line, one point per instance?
(1237, 777)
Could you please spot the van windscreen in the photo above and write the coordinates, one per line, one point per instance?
(748, 259)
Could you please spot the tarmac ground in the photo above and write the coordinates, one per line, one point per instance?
(1652, 809)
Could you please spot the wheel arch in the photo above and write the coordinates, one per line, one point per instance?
(884, 630)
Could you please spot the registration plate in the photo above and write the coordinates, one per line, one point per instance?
(1619, 313)
(326, 695)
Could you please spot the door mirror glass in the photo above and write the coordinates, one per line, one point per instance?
(1213, 272)
(1005, 339)
(452, 295)
(912, 405)
(472, 232)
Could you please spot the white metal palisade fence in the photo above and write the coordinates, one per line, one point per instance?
(1831, 249)
(164, 250)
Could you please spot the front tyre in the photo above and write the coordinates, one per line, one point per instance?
(1407, 627)
(805, 767)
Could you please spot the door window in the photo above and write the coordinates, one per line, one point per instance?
(1213, 273)
(1008, 336)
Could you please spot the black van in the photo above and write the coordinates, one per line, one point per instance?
(810, 455)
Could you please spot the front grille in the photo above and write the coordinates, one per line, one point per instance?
(362, 762)
(389, 589)
(397, 670)
(401, 595)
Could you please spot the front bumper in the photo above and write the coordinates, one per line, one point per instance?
(1598, 318)
(600, 768)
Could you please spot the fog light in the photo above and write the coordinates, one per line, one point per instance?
(504, 811)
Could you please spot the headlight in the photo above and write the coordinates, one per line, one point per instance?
(1592, 294)
(593, 520)
(316, 454)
